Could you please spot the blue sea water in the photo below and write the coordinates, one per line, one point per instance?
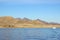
(29, 34)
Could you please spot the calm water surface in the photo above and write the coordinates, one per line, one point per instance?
(29, 34)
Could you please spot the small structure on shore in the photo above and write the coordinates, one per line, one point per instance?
(54, 27)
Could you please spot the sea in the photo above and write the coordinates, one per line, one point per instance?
(29, 34)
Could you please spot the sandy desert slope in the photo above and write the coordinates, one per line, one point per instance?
(10, 22)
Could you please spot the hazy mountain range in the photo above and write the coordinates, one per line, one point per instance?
(10, 22)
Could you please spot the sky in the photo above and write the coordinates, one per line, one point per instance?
(47, 10)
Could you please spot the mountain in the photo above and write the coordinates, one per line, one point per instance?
(10, 22)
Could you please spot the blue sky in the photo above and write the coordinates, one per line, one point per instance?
(47, 10)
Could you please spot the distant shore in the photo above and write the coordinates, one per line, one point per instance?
(10, 22)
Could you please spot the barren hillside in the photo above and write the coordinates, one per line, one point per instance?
(10, 22)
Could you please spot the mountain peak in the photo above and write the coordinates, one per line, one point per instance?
(26, 19)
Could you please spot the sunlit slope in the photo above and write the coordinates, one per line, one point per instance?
(10, 22)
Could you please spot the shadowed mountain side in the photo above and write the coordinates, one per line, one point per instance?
(10, 22)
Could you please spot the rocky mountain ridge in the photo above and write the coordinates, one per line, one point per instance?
(10, 22)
